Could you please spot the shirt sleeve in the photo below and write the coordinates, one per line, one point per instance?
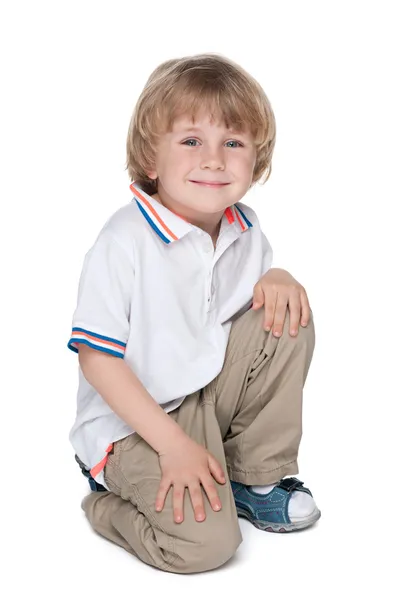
(267, 254)
(101, 317)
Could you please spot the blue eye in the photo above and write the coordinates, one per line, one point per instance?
(188, 143)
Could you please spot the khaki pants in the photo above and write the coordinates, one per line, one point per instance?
(249, 417)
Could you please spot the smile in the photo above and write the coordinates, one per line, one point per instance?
(210, 184)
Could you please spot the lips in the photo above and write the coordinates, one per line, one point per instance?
(210, 183)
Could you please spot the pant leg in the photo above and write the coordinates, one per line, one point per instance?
(258, 397)
(126, 515)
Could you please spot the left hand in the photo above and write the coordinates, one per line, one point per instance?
(276, 290)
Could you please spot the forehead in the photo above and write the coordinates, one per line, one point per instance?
(204, 122)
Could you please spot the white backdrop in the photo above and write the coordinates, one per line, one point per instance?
(71, 73)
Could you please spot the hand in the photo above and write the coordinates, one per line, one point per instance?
(276, 290)
(189, 464)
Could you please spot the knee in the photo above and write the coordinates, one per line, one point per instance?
(207, 547)
(214, 550)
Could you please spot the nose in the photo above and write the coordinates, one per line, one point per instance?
(212, 158)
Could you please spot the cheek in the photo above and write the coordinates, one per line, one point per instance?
(251, 164)
(178, 158)
(244, 164)
(184, 162)
(166, 165)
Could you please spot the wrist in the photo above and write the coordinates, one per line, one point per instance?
(175, 438)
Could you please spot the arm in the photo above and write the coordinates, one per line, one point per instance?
(124, 393)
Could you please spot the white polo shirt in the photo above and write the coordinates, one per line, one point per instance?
(154, 292)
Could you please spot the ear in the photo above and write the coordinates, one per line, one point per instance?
(152, 174)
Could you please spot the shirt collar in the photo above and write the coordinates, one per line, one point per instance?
(170, 227)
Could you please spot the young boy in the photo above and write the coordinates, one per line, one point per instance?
(192, 366)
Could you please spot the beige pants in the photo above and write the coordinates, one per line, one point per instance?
(249, 417)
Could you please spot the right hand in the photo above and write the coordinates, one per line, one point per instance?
(189, 464)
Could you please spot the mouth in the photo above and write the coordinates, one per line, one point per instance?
(210, 184)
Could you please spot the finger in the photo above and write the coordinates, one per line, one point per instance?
(162, 494)
(294, 314)
(258, 297)
(305, 308)
(196, 498)
(215, 469)
(270, 305)
(179, 493)
(280, 314)
(212, 494)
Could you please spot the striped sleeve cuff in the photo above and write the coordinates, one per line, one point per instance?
(96, 341)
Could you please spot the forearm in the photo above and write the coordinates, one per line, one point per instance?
(118, 385)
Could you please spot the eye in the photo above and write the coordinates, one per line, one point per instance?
(186, 142)
(191, 142)
(235, 142)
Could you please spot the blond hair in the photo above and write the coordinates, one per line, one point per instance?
(185, 86)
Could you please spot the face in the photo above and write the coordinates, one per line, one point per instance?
(203, 168)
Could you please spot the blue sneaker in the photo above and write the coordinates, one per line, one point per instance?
(269, 512)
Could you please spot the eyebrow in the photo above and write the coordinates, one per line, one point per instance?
(198, 129)
(193, 128)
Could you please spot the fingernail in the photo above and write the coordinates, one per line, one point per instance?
(267, 328)
(217, 507)
(276, 333)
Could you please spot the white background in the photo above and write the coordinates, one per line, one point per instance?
(71, 73)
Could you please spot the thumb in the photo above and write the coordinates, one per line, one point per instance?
(258, 298)
(216, 469)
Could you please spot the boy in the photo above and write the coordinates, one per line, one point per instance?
(189, 375)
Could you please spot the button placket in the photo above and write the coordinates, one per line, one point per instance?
(209, 288)
(208, 249)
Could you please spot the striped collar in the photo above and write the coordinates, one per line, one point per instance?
(169, 226)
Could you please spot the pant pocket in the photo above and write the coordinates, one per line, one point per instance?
(113, 464)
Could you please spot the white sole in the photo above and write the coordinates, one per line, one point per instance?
(282, 527)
